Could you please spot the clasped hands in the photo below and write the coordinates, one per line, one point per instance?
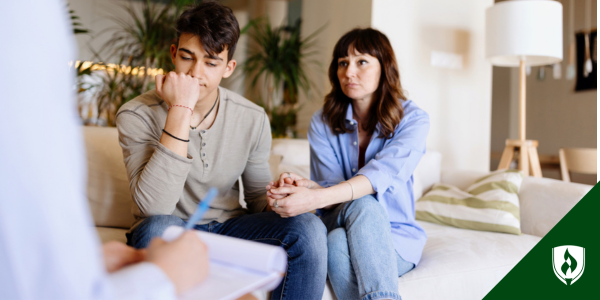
(294, 195)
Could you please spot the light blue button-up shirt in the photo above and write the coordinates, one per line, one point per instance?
(389, 165)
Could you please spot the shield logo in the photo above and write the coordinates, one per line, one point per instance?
(568, 263)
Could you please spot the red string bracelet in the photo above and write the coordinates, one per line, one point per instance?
(181, 106)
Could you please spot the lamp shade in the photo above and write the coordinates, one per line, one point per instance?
(529, 30)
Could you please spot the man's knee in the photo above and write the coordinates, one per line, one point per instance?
(151, 227)
(161, 222)
(311, 235)
(310, 224)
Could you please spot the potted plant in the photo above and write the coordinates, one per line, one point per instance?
(139, 43)
(279, 57)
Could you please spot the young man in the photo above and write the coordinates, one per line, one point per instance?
(190, 135)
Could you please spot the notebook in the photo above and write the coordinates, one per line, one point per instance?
(237, 267)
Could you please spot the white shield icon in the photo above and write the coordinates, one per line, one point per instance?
(568, 263)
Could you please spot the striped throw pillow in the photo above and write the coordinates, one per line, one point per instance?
(489, 204)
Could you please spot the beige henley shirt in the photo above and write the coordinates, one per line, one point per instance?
(164, 183)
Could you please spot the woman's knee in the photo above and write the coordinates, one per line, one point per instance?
(337, 240)
(337, 245)
(338, 256)
(367, 205)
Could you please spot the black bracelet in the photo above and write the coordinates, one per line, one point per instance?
(187, 141)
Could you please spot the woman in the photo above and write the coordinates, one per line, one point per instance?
(365, 144)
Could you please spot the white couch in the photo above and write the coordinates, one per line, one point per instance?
(456, 263)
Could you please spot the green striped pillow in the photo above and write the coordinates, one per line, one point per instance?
(489, 204)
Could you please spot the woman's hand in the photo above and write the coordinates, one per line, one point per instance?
(296, 200)
(118, 255)
(274, 185)
(287, 179)
(270, 197)
(290, 178)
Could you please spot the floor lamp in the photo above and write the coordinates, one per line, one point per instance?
(521, 33)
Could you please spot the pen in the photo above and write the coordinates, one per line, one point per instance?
(202, 208)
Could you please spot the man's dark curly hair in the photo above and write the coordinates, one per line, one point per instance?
(214, 24)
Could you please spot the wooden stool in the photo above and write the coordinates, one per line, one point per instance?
(528, 156)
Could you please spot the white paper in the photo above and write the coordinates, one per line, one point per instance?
(237, 266)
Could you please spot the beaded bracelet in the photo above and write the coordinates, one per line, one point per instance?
(181, 106)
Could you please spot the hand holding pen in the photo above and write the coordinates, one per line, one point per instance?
(184, 260)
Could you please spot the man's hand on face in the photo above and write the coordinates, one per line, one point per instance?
(178, 89)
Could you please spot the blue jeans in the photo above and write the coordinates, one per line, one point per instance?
(303, 237)
(362, 261)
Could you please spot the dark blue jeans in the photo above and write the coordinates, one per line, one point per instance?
(303, 237)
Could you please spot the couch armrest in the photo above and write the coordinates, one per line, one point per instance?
(546, 201)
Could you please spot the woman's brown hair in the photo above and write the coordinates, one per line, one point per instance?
(386, 105)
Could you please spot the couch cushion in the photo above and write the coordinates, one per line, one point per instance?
(490, 204)
(295, 152)
(274, 161)
(111, 234)
(303, 171)
(108, 185)
(461, 263)
(427, 173)
(295, 155)
(545, 201)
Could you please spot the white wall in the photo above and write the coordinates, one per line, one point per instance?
(95, 15)
(458, 101)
